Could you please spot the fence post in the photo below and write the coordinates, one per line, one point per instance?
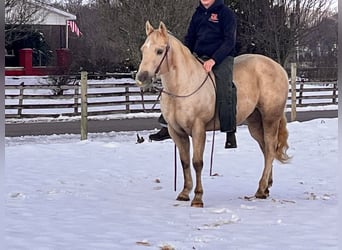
(84, 106)
(76, 97)
(127, 99)
(21, 99)
(334, 93)
(293, 91)
(301, 90)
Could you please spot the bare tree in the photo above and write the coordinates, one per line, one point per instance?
(133, 14)
(18, 15)
(277, 28)
(321, 44)
(114, 30)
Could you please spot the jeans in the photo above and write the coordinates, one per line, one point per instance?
(226, 94)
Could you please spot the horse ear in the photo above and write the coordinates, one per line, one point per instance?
(163, 29)
(148, 27)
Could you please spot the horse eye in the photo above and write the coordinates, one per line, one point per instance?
(159, 51)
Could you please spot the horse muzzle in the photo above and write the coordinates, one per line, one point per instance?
(143, 79)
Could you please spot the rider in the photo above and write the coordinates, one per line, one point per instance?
(212, 36)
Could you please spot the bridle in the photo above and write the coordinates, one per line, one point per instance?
(163, 58)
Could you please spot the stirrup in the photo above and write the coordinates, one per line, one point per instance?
(230, 141)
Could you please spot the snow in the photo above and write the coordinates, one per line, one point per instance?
(109, 192)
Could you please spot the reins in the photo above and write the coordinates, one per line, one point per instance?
(188, 95)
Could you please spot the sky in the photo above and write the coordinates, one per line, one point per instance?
(109, 192)
(334, 4)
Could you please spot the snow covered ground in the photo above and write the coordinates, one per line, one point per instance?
(110, 193)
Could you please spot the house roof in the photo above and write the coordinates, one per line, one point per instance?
(44, 14)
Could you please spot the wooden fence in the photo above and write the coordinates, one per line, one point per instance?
(106, 98)
(34, 101)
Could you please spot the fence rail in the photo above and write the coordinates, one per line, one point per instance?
(330, 95)
(106, 98)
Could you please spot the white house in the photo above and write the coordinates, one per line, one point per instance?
(34, 12)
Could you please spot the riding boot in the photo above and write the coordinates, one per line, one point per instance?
(227, 110)
(230, 140)
(162, 121)
(227, 117)
(161, 135)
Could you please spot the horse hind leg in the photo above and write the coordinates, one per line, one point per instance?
(278, 147)
(270, 137)
(256, 129)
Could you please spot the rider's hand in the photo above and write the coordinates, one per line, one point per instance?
(208, 65)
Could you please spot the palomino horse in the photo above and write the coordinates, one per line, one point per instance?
(188, 103)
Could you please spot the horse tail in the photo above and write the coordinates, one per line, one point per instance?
(282, 146)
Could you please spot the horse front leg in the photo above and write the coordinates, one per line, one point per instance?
(198, 142)
(183, 145)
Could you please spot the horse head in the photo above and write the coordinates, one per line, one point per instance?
(154, 53)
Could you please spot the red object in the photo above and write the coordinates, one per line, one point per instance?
(63, 58)
(74, 28)
(25, 60)
(26, 68)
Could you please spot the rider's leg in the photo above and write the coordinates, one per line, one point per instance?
(226, 100)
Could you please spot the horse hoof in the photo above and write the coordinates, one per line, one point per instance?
(183, 198)
(197, 204)
(261, 196)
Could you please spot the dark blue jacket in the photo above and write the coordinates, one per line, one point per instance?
(212, 32)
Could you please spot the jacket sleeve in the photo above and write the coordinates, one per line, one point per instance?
(229, 37)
